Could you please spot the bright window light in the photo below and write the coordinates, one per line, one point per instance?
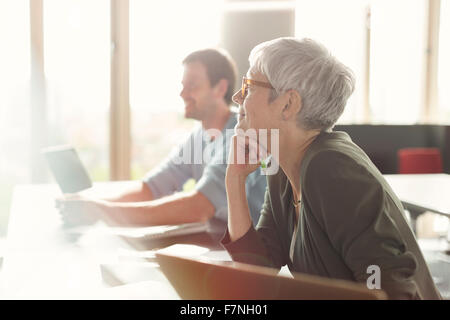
(14, 101)
(396, 65)
(444, 63)
(77, 69)
(339, 26)
(161, 35)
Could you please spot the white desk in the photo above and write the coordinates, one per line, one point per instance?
(39, 263)
(422, 192)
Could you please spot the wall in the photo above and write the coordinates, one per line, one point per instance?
(381, 142)
(245, 27)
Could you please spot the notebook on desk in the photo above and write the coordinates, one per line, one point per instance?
(201, 279)
(141, 233)
(199, 233)
(159, 232)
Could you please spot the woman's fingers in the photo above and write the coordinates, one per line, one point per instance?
(247, 150)
(243, 156)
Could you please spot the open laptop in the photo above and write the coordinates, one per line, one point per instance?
(202, 279)
(72, 176)
(67, 168)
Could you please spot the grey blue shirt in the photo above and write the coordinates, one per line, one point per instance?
(205, 161)
(350, 219)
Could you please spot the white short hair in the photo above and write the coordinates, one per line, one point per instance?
(323, 82)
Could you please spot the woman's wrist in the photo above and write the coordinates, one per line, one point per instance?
(234, 180)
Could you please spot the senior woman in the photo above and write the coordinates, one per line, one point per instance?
(328, 211)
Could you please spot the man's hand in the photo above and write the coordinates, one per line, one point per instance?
(77, 210)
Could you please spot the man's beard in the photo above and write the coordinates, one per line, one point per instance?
(192, 114)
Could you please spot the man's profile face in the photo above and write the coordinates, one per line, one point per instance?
(197, 93)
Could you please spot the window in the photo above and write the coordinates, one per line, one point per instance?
(77, 70)
(396, 64)
(160, 37)
(383, 42)
(14, 100)
(444, 63)
(339, 26)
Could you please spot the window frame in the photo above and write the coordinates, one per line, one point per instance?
(120, 131)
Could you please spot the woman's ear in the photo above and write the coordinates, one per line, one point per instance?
(292, 106)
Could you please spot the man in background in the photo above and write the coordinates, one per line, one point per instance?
(208, 84)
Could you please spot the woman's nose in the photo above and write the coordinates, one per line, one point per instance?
(237, 97)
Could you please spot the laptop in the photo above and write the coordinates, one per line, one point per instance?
(72, 176)
(67, 168)
(202, 279)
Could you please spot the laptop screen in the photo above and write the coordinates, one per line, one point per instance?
(66, 166)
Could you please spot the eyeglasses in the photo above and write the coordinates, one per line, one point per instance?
(246, 82)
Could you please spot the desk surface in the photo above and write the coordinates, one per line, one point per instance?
(428, 192)
(40, 263)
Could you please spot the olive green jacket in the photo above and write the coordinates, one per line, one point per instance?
(350, 219)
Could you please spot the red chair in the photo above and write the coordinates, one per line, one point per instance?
(419, 160)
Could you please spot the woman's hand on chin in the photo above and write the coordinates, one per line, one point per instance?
(244, 157)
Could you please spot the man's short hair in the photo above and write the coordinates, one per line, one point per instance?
(219, 65)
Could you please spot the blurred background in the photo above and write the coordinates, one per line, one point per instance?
(104, 75)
